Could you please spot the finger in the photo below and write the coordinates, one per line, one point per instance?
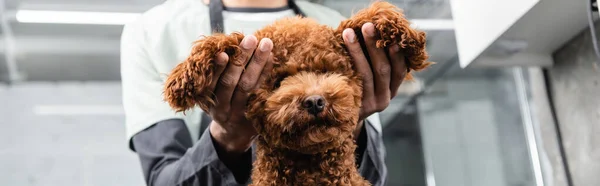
(230, 77)
(220, 64)
(379, 64)
(399, 71)
(266, 71)
(362, 67)
(251, 74)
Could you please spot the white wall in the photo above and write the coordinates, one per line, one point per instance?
(478, 23)
(66, 149)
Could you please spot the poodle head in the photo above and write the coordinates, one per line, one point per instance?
(311, 102)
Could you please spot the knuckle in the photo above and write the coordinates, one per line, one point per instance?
(383, 105)
(386, 104)
(384, 70)
(245, 86)
(369, 104)
(221, 117)
(259, 59)
(367, 78)
(227, 80)
(240, 61)
(379, 109)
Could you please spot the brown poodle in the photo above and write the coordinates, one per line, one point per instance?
(306, 111)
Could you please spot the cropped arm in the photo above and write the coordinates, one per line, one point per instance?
(169, 157)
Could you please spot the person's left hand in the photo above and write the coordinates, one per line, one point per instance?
(382, 73)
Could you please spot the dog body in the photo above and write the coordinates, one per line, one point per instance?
(306, 111)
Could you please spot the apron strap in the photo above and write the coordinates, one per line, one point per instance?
(216, 14)
(293, 6)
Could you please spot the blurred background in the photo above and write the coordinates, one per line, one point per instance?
(512, 100)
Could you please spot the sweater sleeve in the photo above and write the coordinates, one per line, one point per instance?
(169, 157)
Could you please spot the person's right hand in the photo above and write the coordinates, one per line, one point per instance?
(234, 81)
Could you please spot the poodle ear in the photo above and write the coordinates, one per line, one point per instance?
(188, 83)
(391, 28)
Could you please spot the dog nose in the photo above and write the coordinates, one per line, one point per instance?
(314, 104)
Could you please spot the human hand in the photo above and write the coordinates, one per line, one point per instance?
(382, 72)
(230, 128)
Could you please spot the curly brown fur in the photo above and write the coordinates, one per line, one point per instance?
(294, 146)
(187, 83)
(392, 28)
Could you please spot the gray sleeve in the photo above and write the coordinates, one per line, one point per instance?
(169, 157)
(372, 167)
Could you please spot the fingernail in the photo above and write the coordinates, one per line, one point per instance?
(265, 46)
(370, 29)
(223, 57)
(249, 42)
(349, 34)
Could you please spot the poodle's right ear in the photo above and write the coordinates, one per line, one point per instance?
(188, 83)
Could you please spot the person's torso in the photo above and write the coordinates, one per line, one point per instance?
(171, 28)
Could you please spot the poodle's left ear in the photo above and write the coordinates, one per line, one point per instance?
(391, 27)
(188, 83)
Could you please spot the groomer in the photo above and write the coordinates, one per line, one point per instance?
(216, 148)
